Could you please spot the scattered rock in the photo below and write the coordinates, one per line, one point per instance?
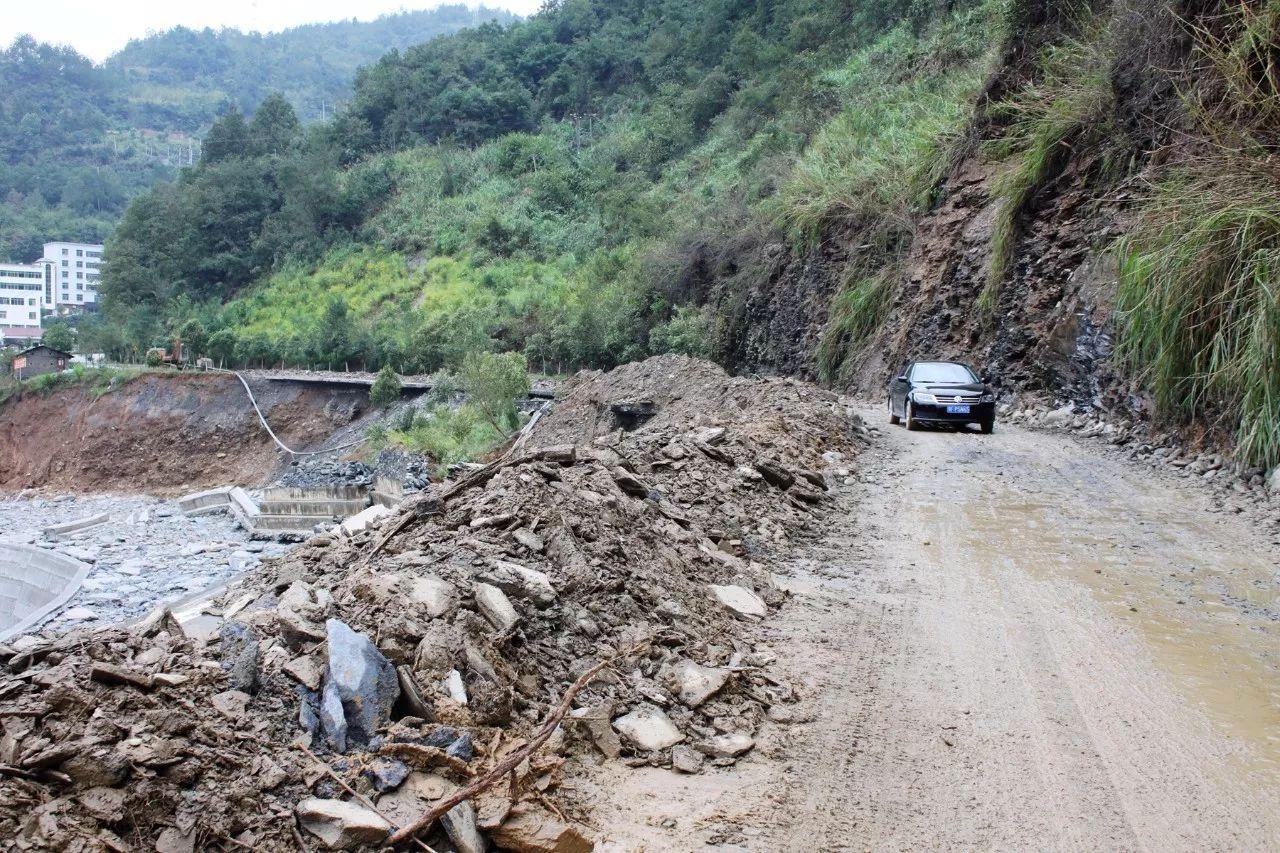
(436, 596)
(725, 746)
(530, 829)
(648, 728)
(460, 825)
(740, 600)
(341, 825)
(495, 606)
(240, 656)
(686, 759)
(694, 684)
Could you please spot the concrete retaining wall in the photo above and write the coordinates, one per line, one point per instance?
(34, 582)
(203, 503)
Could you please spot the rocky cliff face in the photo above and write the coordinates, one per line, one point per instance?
(1050, 329)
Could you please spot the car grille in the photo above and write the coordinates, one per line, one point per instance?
(957, 397)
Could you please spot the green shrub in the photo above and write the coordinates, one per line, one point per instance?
(450, 436)
(854, 316)
(690, 331)
(386, 388)
(494, 382)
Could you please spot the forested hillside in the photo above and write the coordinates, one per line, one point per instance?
(1079, 196)
(78, 140)
(568, 186)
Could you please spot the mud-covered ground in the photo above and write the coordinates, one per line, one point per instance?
(1013, 641)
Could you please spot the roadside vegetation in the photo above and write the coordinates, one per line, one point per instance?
(1199, 293)
(96, 380)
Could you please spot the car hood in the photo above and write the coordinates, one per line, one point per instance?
(974, 387)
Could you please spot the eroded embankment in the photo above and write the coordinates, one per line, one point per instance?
(161, 434)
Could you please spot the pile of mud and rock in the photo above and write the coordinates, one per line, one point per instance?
(362, 680)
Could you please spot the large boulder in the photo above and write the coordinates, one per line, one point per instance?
(359, 680)
(239, 655)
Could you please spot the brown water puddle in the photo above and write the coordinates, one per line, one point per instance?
(1206, 611)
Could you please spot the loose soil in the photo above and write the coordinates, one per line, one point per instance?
(1003, 642)
(162, 435)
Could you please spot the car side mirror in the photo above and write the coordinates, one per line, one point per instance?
(902, 378)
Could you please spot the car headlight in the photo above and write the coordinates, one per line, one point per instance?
(988, 398)
(924, 397)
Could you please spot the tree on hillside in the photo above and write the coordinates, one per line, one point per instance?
(274, 128)
(494, 381)
(228, 138)
(59, 336)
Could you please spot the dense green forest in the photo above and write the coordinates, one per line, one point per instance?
(553, 186)
(78, 141)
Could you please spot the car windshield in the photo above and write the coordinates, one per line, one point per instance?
(942, 372)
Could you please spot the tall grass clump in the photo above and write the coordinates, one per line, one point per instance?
(1199, 304)
(1199, 291)
(1068, 106)
(855, 314)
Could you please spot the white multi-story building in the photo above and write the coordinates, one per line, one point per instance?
(71, 276)
(21, 301)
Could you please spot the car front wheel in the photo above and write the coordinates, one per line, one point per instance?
(988, 426)
(893, 417)
(912, 424)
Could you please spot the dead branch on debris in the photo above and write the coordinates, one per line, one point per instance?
(503, 768)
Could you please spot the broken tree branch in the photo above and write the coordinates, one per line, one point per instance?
(512, 761)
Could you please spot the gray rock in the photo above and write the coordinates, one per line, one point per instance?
(740, 600)
(386, 774)
(436, 596)
(460, 825)
(240, 653)
(341, 825)
(519, 581)
(726, 746)
(333, 719)
(495, 606)
(686, 759)
(692, 683)
(361, 678)
(647, 728)
(462, 748)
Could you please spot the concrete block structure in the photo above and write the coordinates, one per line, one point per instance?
(34, 582)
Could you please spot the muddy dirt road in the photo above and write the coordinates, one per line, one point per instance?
(1004, 642)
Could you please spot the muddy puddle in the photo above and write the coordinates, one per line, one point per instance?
(1199, 594)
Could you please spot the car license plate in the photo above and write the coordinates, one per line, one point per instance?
(957, 410)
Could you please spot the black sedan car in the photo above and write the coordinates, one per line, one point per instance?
(941, 392)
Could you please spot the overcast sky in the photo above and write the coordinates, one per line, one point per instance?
(98, 29)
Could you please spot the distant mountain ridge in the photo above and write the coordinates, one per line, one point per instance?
(79, 140)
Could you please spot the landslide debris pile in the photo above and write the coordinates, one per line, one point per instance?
(360, 679)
